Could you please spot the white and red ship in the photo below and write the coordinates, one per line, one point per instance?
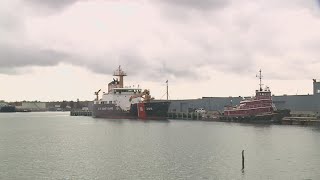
(121, 102)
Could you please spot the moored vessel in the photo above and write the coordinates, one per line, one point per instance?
(259, 108)
(121, 102)
(4, 107)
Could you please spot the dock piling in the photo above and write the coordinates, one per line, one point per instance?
(242, 159)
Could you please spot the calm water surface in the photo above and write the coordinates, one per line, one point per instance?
(57, 146)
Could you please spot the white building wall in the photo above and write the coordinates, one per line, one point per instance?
(32, 105)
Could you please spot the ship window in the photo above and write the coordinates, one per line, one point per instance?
(110, 102)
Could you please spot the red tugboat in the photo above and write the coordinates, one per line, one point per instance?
(256, 109)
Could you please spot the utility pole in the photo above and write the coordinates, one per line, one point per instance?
(242, 159)
(167, 90)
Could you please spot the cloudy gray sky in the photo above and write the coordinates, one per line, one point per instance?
(67, 49)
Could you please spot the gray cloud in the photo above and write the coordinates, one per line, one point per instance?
(15, 51)
(184, 10)
(50, 4)
(9, 22)
(135, 65)
(174, 72)
(236, 42)
(131, 61)
(11, 18)
(195, 4)
(13, 57)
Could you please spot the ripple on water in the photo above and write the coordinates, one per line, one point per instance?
(57, 146)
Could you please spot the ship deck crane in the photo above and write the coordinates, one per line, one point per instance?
(97, 94)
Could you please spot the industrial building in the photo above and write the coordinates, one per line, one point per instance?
(32, 106)
(298, 104)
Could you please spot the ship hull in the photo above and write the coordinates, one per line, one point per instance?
(110, 111)
(146, 110)
(152, 110)
(274, 117)
(249, 112)
(8, 109)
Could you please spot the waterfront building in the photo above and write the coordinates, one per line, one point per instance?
(298, 104)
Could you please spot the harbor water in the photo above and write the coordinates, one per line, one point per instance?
(58, 146)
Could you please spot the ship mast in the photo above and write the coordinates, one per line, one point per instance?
(260, 78)
(119, 73)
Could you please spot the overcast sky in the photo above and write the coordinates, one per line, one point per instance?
(67, 49)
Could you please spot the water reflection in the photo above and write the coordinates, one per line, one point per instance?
(121, 121)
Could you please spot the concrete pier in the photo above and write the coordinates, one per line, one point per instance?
(80, 113)
(308, 121)
(185, 116)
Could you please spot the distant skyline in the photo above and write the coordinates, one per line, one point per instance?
(68, 49)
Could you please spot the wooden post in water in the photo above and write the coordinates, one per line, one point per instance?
(242, 159)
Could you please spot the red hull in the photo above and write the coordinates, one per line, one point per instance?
(249, 112)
